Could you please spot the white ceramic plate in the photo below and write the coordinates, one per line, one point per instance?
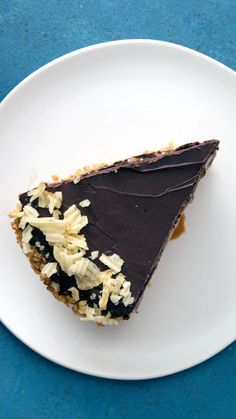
(103, 103)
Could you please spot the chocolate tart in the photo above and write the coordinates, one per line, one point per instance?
(96, 238)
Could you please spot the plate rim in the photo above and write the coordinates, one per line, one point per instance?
(21, 84)
(110, 376)
(131, 41)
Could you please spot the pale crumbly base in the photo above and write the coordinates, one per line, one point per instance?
(37, 262)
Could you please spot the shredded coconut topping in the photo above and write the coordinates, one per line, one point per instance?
(69, 251)
(63, 232)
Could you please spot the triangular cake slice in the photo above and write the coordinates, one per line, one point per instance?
(96, 237)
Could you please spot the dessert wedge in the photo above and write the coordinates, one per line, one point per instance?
(96, 238)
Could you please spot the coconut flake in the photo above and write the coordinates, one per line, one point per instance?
(85, 203)
(115, 298)
(66, 261)
(91, 278)
(127, 301)
(26, 236)
(113, 262)
(74, 293)
(28, 213)
(104, 298)
(49, 269)
(94, 255)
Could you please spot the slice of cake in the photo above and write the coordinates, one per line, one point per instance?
(96, 237)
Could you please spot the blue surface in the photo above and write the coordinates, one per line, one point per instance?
(33, 32)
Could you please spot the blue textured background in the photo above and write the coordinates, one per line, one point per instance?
(33, 32)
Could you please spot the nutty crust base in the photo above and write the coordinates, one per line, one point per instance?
(37, 262)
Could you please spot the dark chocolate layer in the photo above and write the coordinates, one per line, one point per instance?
(134, 206)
